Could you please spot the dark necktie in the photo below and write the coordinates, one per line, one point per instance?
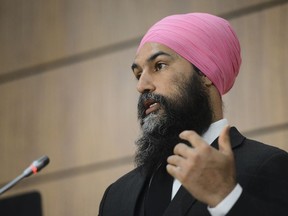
(159, 193)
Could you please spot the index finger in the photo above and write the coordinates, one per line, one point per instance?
(193, 138)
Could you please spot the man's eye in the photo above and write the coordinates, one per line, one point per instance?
(138, 75)
(159, 66)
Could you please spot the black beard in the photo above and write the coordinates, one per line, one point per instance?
(161, 129)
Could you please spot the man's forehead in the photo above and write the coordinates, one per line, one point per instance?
(149, 50)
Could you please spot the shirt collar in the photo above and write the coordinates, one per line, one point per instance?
(214, 130)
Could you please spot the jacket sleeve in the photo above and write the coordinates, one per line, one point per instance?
(265, 188)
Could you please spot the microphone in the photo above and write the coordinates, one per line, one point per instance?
(34, 168)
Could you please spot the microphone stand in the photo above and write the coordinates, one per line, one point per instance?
(34, 168)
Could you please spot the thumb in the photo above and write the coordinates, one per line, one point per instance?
(224, 141)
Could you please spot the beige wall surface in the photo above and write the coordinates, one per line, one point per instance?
(67, 90)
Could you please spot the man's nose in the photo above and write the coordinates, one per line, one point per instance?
(145, 83)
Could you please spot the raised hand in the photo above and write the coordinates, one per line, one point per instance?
(207, 173)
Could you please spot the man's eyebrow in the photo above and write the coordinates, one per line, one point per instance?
(151, 58)
(155, 55)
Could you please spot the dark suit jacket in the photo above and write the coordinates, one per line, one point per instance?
(262, 171)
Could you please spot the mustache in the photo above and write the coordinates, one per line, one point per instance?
(149, 96)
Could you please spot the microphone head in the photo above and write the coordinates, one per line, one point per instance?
(41, 162)
(36, 166)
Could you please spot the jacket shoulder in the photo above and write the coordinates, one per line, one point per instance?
(122, 193)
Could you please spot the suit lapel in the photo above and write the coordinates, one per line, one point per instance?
(181, 203)
(134, 199)
(235, 137)
(136, 184)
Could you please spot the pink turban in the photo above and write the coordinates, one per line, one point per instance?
(207, 41)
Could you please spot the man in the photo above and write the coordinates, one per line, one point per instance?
(189, 161)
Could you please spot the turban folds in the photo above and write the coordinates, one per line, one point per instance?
(205, 40)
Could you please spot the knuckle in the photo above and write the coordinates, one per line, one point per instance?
(177, 149)
(190, 153)
(170, 159)
(206, 149)
(193, 161)
(191, 134)
(188, 134)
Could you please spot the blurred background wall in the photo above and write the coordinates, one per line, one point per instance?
(67, 90)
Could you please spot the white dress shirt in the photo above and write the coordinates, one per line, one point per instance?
(227, 203)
